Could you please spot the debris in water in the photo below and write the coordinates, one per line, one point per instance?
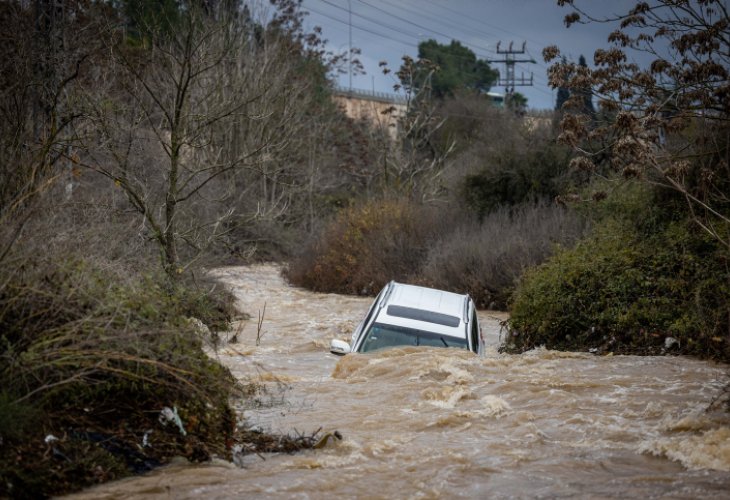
(669, 342)
(146, 438)
(335, 435)
(168, 415)
(256, 441)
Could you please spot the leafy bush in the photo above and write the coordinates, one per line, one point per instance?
(365, 247)
(626, 288)
(515, 178)
(487, 259)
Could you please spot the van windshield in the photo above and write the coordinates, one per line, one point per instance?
(381, 336)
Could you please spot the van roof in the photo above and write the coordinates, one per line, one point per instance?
(429, 299)
(434, 310)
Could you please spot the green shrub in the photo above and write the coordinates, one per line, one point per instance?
(515, 178)
(634, 282)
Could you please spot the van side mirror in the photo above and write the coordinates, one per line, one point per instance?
(339, 347)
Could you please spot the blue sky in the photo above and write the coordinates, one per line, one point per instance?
(385, 30)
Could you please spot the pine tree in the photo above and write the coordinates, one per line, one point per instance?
(449, 68)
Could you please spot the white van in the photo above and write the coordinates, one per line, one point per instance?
(409, 315)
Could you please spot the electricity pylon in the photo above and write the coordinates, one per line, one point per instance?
(510, 81)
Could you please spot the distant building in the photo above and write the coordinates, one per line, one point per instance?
(496, 98)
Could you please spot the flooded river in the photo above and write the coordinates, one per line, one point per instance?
(438, 423)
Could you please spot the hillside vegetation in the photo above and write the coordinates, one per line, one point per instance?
(144, 142)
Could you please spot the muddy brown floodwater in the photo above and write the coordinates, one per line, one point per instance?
(438, 423)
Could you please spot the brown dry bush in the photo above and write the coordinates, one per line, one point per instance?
(366, 246)
(487, 259)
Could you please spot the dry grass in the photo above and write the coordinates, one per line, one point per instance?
(487, 259)
(94, 343)
(368, 246)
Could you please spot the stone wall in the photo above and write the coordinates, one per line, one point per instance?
(380, 112)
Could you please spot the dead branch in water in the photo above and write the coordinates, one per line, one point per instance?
(256, 441)
(259, 325)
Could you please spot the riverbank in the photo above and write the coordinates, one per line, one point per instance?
(106, 376)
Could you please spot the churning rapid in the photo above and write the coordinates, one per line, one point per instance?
(434, 423)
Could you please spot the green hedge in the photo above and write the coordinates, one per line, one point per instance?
(626, 288)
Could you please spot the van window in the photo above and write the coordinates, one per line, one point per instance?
(423, 315)
(381, 336)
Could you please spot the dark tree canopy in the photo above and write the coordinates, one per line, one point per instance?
(517, 102)
(162, 18)
(457, 68)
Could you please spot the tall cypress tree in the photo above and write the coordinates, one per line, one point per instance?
(563, 95)
(586, 94)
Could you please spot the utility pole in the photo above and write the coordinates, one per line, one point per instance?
(349, 53)
(509, 81)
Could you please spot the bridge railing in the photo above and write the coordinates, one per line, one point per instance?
(370, 94)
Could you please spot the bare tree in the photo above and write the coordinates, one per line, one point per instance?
(158, 128)
(291, 129)
(214, 122)
(667, 123)
(414, 163)
(45, 47)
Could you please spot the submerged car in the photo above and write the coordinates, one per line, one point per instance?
(409, 315)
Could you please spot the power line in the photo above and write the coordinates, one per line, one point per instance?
(377, 34)
(470, 20)
(441, 20)
(381, 35)
(377, 22)
(419, 25)
(418, 37)
(396, 29)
